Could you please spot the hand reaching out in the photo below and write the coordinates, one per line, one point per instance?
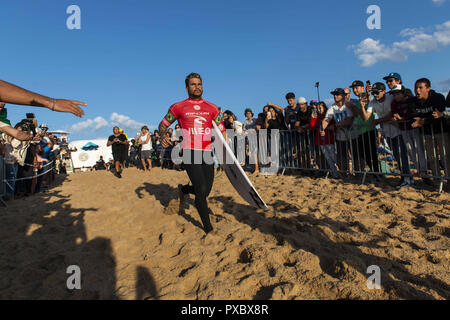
(70, 106)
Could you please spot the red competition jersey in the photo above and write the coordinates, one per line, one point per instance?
(195, 118)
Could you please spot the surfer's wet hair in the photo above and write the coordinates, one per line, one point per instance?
(192, 76)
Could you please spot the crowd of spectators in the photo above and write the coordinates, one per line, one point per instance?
(29, 152)
(349, 134)
(144, 151)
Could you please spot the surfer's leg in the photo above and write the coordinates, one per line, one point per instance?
(200, 187)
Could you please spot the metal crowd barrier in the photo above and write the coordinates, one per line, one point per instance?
(422, 152)
(420, 149)
(2, 180)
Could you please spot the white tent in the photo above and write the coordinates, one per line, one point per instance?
(82, 158)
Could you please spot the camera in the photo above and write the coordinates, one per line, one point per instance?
(30, 116)
(27, 125)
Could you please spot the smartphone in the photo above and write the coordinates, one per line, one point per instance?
(30, 116)
(368, 82)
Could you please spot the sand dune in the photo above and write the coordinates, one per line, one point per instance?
(316, 241)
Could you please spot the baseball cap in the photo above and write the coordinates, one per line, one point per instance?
(313, 102)
(393, 75)
(338, 91)
(397, 88)
(302, 100)
(357, 83)
(378, 86)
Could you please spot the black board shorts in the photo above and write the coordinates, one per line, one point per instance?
(120, 156)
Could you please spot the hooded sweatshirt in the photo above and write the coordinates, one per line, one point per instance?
(425, 108)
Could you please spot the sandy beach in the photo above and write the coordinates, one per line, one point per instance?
(316, 241)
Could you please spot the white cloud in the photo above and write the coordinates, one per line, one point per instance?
(116, 119)
(125, 121)
(371, 51)
(438, 2)
(95, 124)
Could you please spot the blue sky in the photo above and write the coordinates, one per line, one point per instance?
(130, 58)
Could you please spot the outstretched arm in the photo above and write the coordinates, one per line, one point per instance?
(19, 135)
(10, 93)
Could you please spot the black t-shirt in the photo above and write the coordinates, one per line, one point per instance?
(277, 123)
(101, 164)
(304, 117)
(116, 146)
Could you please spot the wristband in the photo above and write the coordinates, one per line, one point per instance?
(53, 106)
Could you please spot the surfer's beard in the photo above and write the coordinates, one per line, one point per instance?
(196, 96)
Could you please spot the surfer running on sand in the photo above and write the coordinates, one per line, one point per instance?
(195, 117)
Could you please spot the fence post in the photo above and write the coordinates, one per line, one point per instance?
(2, 180)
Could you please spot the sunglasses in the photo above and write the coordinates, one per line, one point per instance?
(375, 92)
(390, 80)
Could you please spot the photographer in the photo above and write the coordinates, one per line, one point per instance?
(6, 128)
(119, 143)
(15, 153)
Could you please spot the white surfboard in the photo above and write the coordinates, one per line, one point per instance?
(234, 171)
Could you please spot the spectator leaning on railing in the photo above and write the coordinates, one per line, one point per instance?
(343, 117)
(381, 105)
(302, 126)
(324, 139)
(411, 136)
(435, 130)
(290, 111)
(249, 127)
(393, 80)
(361, 149)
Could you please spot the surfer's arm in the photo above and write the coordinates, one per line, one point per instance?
(10, 93)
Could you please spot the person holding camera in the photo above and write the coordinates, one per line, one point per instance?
(7, 129)
(119, 144)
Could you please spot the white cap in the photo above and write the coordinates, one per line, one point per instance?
(302, 100)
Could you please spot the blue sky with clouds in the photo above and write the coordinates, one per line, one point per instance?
(130, 58)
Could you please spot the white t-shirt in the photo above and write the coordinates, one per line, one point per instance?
(146, 146)
(382, 109)
(237, 126)
(16, 150)
(339, 115)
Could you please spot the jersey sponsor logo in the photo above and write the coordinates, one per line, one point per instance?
(199, 120)
(196, 113)
(170, 117)
(197, 107)
(199, 131)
